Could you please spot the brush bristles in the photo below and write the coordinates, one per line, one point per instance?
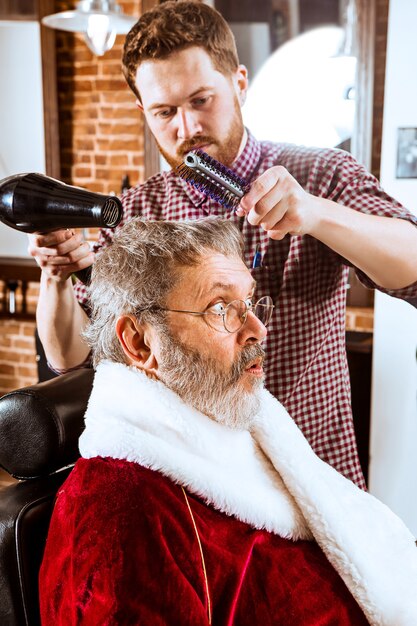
(213, 179)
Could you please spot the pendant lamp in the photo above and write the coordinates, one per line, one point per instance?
(99, 20)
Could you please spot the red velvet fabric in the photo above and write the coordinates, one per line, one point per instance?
(122, 550)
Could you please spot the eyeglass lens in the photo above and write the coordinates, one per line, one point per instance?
(263, 310)
(236, 313)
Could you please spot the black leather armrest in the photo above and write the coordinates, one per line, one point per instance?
(40, 425)
(25, 512)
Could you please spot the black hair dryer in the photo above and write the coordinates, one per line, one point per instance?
(34, 203)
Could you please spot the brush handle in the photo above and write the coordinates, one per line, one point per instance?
(195, 162)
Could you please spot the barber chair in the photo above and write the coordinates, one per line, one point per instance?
(39, 430)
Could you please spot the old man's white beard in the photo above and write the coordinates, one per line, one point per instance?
(214, 392)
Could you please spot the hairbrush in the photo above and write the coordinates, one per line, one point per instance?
(213, 178)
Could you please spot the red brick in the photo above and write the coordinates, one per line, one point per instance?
(100, 159)
(127, 127)
(109, 84)
(128, 111)
(86, 69)
(82, 172)
(103, 174)
(81, 84)
(84, 113)
(122, 144)
(138, 159)
(7, 384)
(82, 53)
(98, 187)
(25, 371)
(118, 159)
(22, 344)
(103, 145)
(116, 52)
(82, 158)
(28, 331)
(84, 144)
(82, 128)
(116, 97)
(9, 328)
(112, 69)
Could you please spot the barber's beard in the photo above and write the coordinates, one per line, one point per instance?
(225, 151)
(203, 385)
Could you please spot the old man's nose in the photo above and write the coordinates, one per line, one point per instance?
(253, 330)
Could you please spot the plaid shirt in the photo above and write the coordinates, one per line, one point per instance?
(306, 365)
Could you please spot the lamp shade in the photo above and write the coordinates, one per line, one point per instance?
(99, 20)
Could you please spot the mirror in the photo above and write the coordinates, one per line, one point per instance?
(22, 145)
(304, 92)
(302, 70)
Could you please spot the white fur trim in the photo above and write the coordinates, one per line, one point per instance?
(269, 478)
(131, 417)
(367, 544)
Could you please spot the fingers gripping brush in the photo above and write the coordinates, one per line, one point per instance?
(213, 179)
(34, 203)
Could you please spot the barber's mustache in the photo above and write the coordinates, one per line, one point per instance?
(190, 144)
(248, 354)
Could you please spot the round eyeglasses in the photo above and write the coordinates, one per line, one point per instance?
(231, 317)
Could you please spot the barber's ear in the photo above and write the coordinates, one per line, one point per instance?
(241, 83)
(138, 344)
(139, 104)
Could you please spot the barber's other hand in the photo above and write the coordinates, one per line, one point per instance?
(279, 205)
(60, 253)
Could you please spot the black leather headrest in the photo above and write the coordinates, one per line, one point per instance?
(40, 425)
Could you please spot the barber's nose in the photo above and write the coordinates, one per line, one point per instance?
(188, 124)
(252, 331)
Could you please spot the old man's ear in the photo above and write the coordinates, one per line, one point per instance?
(138, 344)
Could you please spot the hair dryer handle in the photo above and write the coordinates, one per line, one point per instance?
(84, 275)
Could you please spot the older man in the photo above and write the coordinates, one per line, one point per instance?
(197, 500)
(309, 214)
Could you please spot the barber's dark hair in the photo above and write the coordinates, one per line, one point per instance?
(140, 268)
(173, 26)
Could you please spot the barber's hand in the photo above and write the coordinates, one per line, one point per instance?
(60, 253)
(278, 204)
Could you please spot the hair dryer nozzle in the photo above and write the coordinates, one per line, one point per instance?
(37, 203)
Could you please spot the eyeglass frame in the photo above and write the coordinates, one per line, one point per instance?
(222, 314)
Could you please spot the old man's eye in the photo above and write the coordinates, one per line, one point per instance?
(218, 308)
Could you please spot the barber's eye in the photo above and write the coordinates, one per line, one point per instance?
(200, 101)
(165, 113)
(249, 302)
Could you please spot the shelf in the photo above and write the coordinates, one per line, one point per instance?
(16, 273)
(360, 319)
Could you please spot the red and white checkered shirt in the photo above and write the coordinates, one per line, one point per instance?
(306, 365)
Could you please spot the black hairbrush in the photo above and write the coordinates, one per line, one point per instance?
(213, 178)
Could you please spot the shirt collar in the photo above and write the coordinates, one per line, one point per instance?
(245, 166)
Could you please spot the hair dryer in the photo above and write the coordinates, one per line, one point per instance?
(36, 203)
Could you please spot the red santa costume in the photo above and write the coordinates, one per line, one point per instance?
(171, 518)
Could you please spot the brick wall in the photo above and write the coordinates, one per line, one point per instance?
(101, 130)
(17, 344)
